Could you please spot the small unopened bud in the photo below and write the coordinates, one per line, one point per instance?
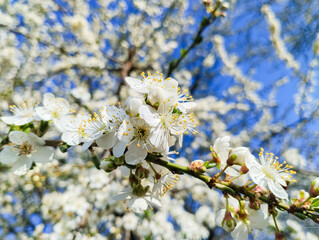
(133, 180)
(224, 6)
(133, 104)
(202, 169)
(108, 165)
(197, 166)
(261, 190)
(279, 236)
(240, 153)
(228, 222)
(314, 188)
(155, 95)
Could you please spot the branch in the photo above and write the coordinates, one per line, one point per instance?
(233, 190)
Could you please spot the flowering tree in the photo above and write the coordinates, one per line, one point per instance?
(93, 149)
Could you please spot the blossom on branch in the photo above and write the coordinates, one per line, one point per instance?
(23, 150)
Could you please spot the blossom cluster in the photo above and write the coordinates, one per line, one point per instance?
(150, 123)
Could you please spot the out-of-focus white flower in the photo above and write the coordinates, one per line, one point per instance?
(314, 188)
(269, 173)
(23, 150)
(137, 204)
(81, 93)
(53, 109)
(23, 113)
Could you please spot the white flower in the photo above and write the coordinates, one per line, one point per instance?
(23, 150)
(269, 173)
(53, 109)
(162, 91)
(137, 204)
(165, 124)
(23, 114)
(139, 144)
(151, 81)
(254, 219)
(166, 182)
(74, 133)
(119, 133)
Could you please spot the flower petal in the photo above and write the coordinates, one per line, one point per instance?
(277, 189)
(9, 155)
(119, 149)
(43, 113)
(135, 154)
(138, 205)
(43, 154)
(136, 84)
(240, 232)
(18, 137)
(22, 165)
(107, 141)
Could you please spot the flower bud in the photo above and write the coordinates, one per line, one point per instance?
(133, 104)
(133, 180)
(228, 222)
(155, 95)
(197, 166)
(108, 165)
(239, 155)
(314, 188)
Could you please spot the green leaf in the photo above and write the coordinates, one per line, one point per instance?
(315, 203)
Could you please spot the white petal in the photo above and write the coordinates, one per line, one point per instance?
(258, 218)
(221, 146)
(22, 165)
(135, 154)
(34, 139)
(277, 190)
(153, 201)
(58, 123)
(86, 145)
(149, 115)
(138, 205)
(186, 106)
(125, 132)
(71, 138)
(136, 84)
(119, 149)
(124, 195)
(43, 113)
(18, 137)
(220, 216)
(17, 120)
(107, 141)
(240, 232)
(48, 99)
(9, 155)
(43, 154)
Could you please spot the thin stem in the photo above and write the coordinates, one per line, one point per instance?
(156, 173)
(232, 179)
(219, 174)
(277, 229)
